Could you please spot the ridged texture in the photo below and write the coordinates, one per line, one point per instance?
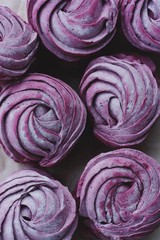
(18, 45)
(76, 28)
(119, 194)
(141, 23)
(34, 206)
(122, 96)
(40, 119)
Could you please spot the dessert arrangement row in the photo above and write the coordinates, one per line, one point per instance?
(42, 118)
(118, 197)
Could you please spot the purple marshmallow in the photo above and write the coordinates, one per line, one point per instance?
(41, 118)
(18, 45)
(73, 29)
(119, 195)
(122, 96)
(36, 207)
(141, 23)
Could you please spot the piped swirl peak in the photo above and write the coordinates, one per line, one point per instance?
(119, 195)
(41, 118)
(35, 206)
(141, 23)
(73, 29)
(122, 96)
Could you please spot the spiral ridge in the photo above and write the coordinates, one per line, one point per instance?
(34, 206)
(122, 96)
(119, 194)
(41, 118)
(141, 23)
(18, 45)
(73, 29)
